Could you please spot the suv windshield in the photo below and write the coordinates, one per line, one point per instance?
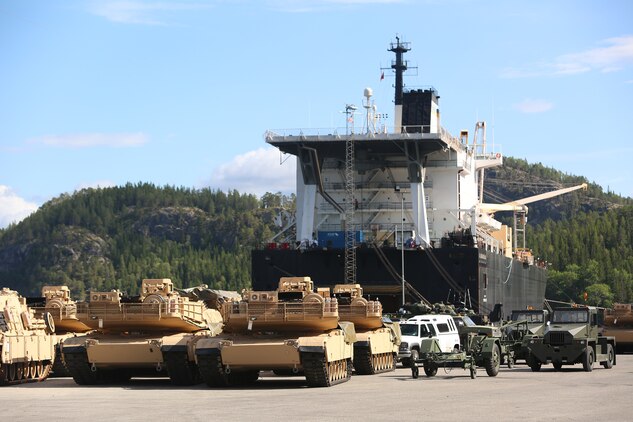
(570, 316)
(409, 329)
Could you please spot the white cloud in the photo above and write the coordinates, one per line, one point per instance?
(616, 54)
(533, 106)
(88, 140)
(95, 185)
(12, 207)
(141, 12)
(256, 172)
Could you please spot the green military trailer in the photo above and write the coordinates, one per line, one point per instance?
(573, 335)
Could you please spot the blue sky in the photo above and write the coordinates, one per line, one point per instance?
(101, 93)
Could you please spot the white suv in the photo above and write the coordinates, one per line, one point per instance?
(440, 326)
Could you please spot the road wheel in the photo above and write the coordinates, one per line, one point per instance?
(608, 364)
(587, 363)
(430, 369)
(534, 364)
(557, 365)
(493, 362)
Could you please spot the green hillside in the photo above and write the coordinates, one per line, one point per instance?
(111, 238)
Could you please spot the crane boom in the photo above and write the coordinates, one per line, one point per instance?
(520, 204)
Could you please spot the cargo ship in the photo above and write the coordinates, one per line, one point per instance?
(400, 210)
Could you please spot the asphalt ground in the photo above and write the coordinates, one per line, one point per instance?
(514, 394)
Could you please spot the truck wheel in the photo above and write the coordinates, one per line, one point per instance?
(415, 372)
(608, 364)
(493, 362)
(430, 369)
(587, 363)
(534, 364)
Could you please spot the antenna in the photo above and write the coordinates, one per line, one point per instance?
(349, 117)
(370, 112)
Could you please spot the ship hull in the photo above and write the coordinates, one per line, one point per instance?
(481, 279)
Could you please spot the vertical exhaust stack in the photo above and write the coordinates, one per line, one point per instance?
(399, 66)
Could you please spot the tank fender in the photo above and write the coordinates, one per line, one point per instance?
(348, 330)
(73, 349)
(395, 332)
(311, 349)
(72, 342)
(207, 346)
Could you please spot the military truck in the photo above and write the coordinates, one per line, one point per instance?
(573, 335)
(57, 301)
(27, 343)
(152, 334)
(524, 325)
(377, 340)
(291, 329)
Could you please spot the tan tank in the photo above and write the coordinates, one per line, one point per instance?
(290, 329)
(618, 322)
(377, 340)
(152, 334)
(56, 300)
(27, 343)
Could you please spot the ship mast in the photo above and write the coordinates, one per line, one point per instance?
(399, 66)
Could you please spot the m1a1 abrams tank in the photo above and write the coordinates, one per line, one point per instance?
(131, 333)
(57, 302)
(377, 341)
(27, 343)
(288, 329)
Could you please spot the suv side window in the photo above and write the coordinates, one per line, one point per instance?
(431, 329)
(443, 328)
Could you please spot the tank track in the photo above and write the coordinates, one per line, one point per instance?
(20, 372)
(367, 364)
(83, 374)
(59, 367)
(320, 373)
(214, 375)
(181, 370)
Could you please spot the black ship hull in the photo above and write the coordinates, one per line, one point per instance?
(479, 279)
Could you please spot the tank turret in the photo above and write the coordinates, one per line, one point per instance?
(293, 306)
(353, 307)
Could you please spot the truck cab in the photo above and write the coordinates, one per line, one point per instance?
(419, 327)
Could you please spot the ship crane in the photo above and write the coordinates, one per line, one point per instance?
(520, 210)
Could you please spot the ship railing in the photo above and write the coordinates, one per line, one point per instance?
(281, 311)
(377, 206)
(141, 311)
(420, 132)
(488, 242)
(373, 309)
(332, 186)
(66, 312)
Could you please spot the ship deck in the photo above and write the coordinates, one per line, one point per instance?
(329, 143)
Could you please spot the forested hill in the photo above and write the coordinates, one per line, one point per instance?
(103, 239)
(111, 238)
